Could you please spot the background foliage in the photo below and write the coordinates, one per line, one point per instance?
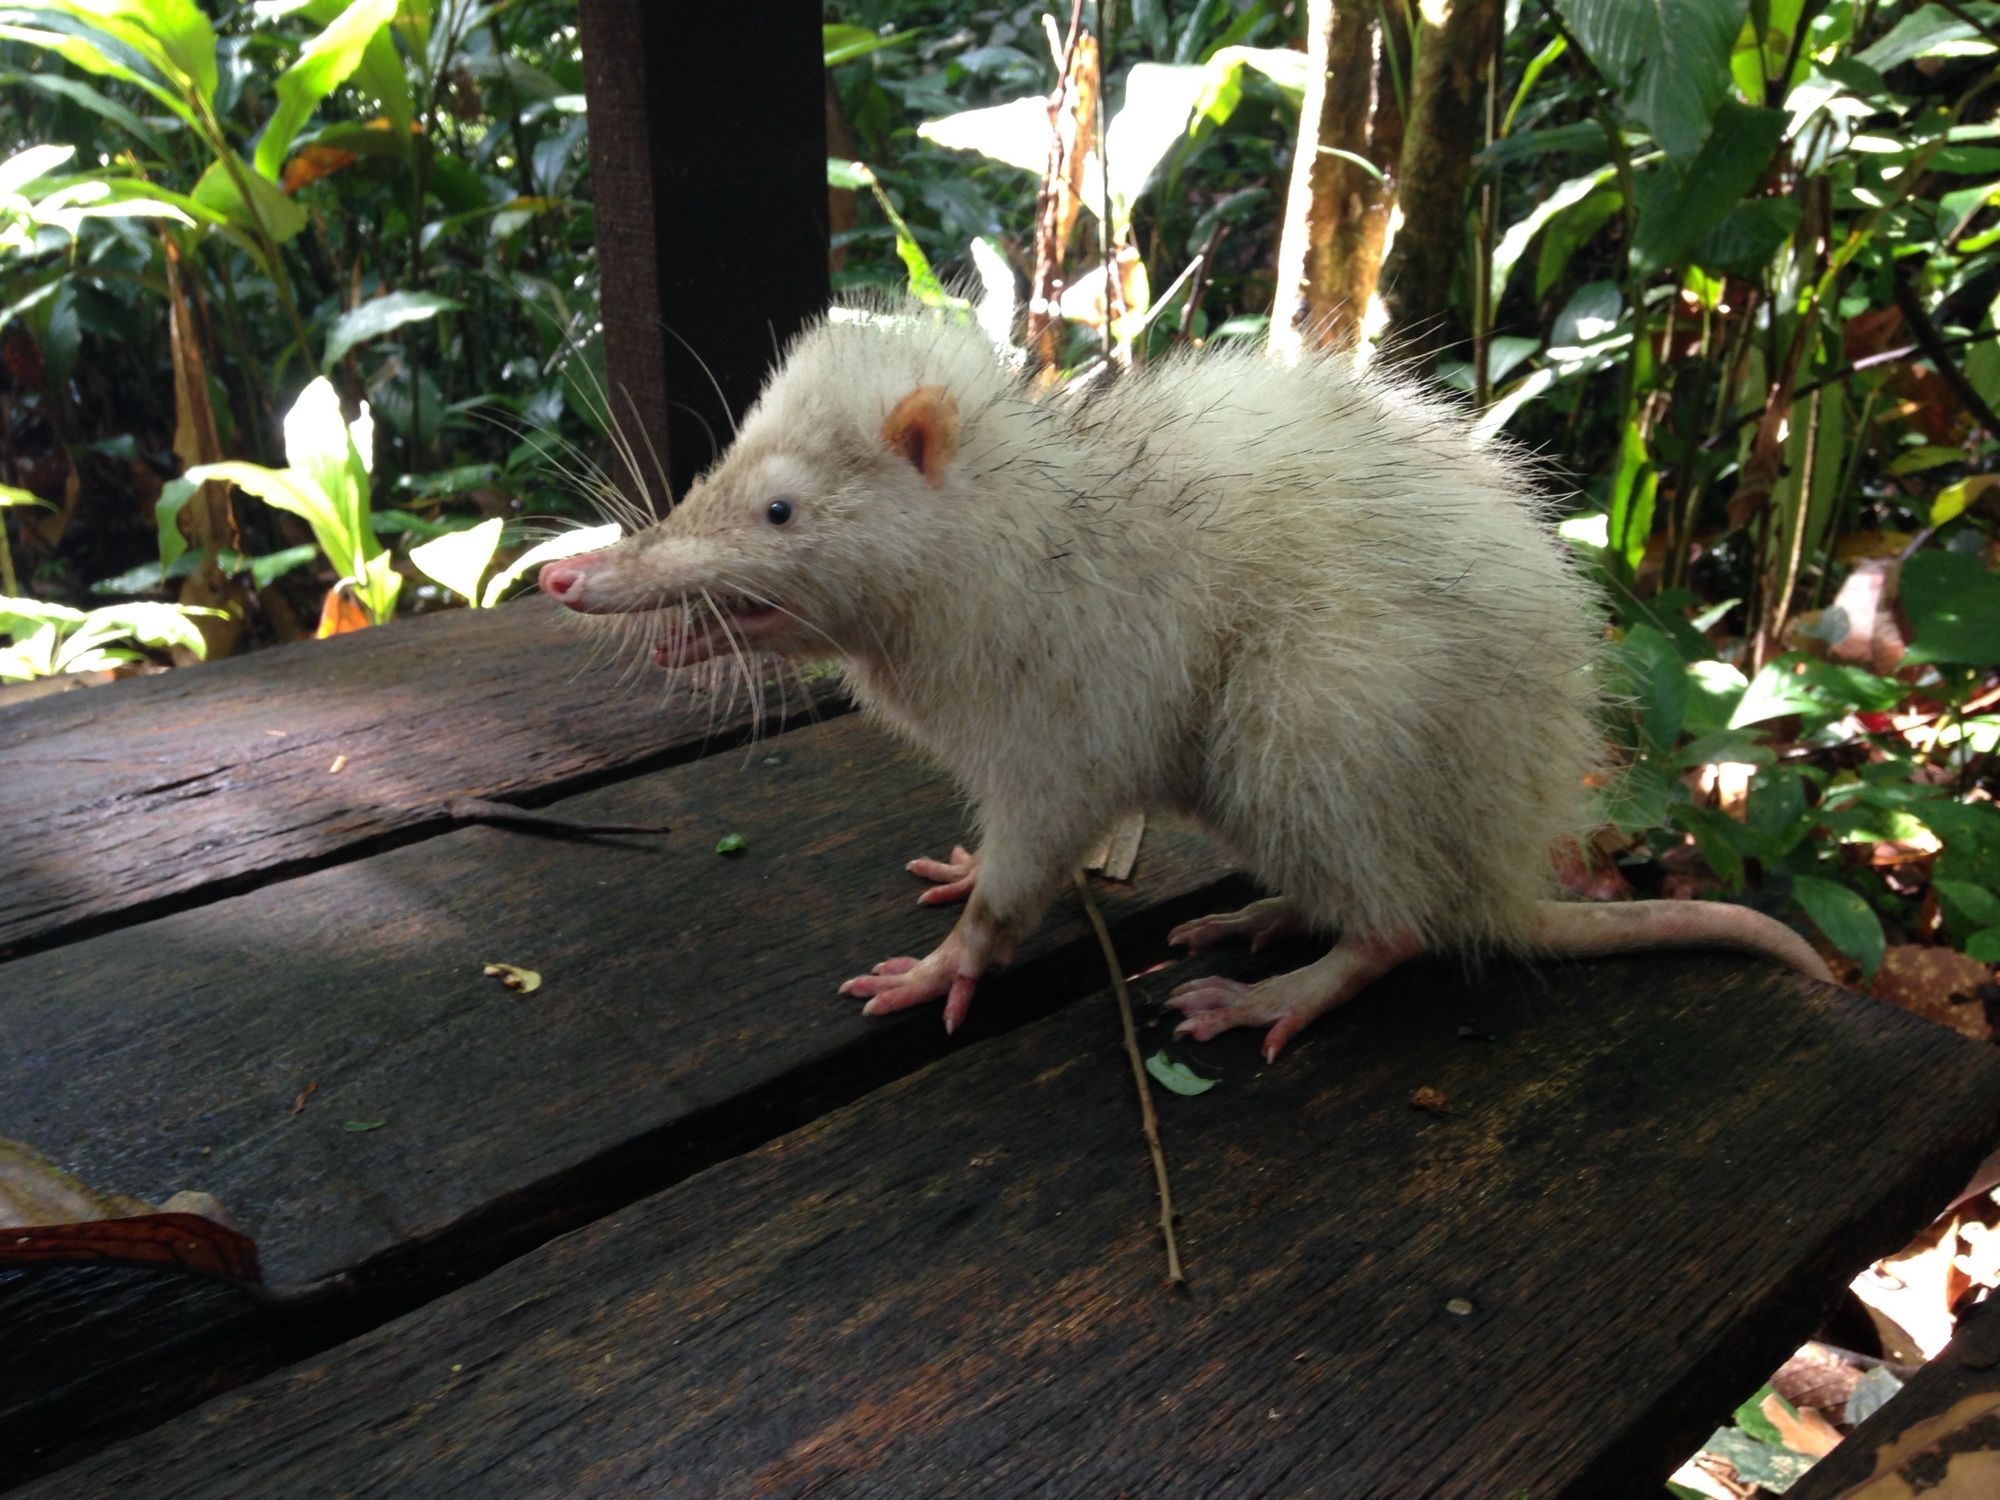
(1731, 266)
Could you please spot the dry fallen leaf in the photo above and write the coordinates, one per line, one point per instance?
(1936, 983)
(54, 1218)
(1808, 1432)
(1910, 1295)
(525, 981)
(1434, 1101)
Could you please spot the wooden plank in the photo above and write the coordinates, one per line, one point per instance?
(1939, 1434)
(1656, 1174)
(688, 1008)
(165, 789)
(708, 165)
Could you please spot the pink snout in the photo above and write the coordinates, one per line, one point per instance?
(567, 580)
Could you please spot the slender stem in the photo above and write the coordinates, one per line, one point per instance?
(1149, 1123)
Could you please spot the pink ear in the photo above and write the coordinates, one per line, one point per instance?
(923, 428)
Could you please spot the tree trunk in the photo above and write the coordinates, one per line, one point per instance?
(1446, 126)
(1336, 212)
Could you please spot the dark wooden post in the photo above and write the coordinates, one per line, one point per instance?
(708, 174)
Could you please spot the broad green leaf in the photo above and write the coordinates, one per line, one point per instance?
(378, 316)
(13, 494)
(1175, 1075)
(1748, 236)
(1821, 691)
(174, 496)
(172, 36)
(81, 94)
(1929, 32)
(1749, 1415)
(1952, 500)
(24, 167)
(1514, 243)
(1984, 946)
(569, 544)
(1722, 840)
(290, 491)
(1658, 681)
(1973, 905)
(1633, 488)
(1569, 232)
(221, 190)
(1679, 205)
(335, 460)
(1953, 604)
(1776, 815)
(323, 64)
(380, 584)
(1668, 59)
(851, 175)
(459, 559)
(1715, 688)
(1725, 746)
(1847, 920)
(1637, 798)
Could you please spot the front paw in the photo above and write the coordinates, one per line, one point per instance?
(899, 983)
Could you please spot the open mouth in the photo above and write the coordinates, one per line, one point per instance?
(703, 628)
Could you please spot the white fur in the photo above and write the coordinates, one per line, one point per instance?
(1299, 602)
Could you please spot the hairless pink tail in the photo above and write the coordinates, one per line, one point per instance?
(1580, 929)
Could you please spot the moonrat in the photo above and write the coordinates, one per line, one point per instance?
(1300, 602)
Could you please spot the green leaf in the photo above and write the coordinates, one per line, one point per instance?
(1749, 1415)
(323, 64)
(1984, 946)
(13, 494)
(174, 495)
(1847, 920)
(843, 44)
(1170, 1073)
(1633, 488)
(1748, 236)
(1821, 691)
(1715, 688)
(85, 54)
(1678, 206)
(357, 1126)
(219, 192)
(1722, 840)
(730, 843)
(569, 544)
(1973, 905)
(24, 167)
(1638, 797)
(378, 316)
(1657, 678)
(1931, 31)
(1568, 232)
(1514, 243)
(459, 559)
(1668, 59)
(81, 94)
(1953, 604)
(172, 37)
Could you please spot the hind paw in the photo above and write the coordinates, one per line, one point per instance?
(1261, 921)
(954, 878)
(1287, 1003)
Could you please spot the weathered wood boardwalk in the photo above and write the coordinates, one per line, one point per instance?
(683, 1222)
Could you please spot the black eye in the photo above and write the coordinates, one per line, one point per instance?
(778, 512)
